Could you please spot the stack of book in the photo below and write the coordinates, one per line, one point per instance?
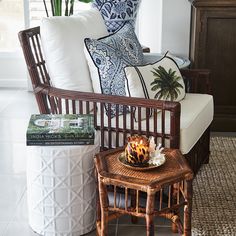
(60, 130)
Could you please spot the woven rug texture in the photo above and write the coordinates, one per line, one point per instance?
(214, 191)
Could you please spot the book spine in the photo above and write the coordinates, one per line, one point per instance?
(55, 136)
(59, 142)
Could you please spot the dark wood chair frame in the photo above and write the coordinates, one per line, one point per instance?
(54, 100)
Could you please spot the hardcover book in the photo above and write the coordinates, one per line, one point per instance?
(69, 129)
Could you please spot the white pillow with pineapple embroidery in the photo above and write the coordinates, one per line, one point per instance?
(161, 80)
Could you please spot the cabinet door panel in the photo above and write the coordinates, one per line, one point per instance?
(215, 49)
(221, 59)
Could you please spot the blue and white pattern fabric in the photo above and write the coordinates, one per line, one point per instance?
(117, 12)
(110, 55)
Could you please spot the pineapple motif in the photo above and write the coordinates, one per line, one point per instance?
(166, 83)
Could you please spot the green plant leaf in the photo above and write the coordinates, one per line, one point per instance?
(166, 82)
(85, 1)
(56, 7)
(155, 87)
(71, 7)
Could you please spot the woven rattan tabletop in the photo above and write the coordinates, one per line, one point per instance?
(174, 169)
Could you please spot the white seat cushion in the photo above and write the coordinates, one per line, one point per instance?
(63, 45)
(196, 116)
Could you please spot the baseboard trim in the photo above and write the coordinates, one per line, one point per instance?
(224, 123)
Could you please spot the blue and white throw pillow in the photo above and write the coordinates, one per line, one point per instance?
(117, 12)
(108, 56)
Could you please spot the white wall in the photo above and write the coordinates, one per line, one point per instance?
(150, 17)
(12, 70)
(164, 25)
(176, 27)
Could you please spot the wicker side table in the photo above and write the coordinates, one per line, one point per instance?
(173, 180)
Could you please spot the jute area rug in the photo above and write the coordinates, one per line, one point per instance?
(214, 196)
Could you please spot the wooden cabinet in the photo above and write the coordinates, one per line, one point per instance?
(213, 46)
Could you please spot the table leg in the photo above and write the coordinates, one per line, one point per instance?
(98, 206)
(134, 219)
(174, 192)
(188, 208)
(150, 214)
(104, 222)
(103, 197)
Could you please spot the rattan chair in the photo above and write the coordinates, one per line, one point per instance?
(53, 100)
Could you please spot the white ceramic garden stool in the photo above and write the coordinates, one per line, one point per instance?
(61, 189)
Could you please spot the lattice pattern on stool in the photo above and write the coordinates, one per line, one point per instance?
(61, 194)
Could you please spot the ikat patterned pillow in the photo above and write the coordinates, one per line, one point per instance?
(108, 56)
(117, 12)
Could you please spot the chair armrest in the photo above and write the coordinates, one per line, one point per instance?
(146, 49)
(197, 80)
(113, 99)
(56, 101)
(97, 97)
